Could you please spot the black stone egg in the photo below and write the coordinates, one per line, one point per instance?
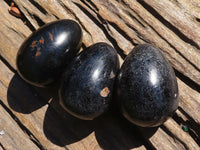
(43, 55)
(147, 88)
(87, 84)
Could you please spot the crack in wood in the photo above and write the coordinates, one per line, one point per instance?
(74, 15)
(39, 21)
(7, 64)
(194, 127)
(168, 24)
(19, 33)
(27, 22)
(198, 69)
(126, 36)
(150, 146)
(101, 26)
(1, 83)
(187, 80)
(26, 131)
(174, 137)
(177, 51)
(8, 2)
(137, 33)
(56, 16)
(92, 4)
(134, 18)
(1, 146)
(40, 8)
(92, 7)
(198, 20)
(127, 10)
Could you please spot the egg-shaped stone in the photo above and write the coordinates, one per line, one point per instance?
(43, 55)
(87, 85)
(147, 88)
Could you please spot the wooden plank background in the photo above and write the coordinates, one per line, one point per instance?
(31, 118)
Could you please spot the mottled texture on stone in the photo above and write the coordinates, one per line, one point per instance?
(87, 84)
(147, 87)
(43, 55)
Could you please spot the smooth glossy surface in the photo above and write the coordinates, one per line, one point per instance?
(87, 84)
(44, 54)
(147, 87)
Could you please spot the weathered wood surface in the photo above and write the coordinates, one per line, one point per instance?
(31, 117)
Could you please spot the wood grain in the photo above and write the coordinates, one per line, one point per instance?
(12, 136)
(35, 114)
(54, 129)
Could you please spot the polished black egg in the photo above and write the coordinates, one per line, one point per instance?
(87, 84)
(147, 88)
(44, 54)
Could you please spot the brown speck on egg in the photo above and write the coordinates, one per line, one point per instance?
(33, 44)
(51, 36)
(37, 53)
(104, 92)
(42, 40)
